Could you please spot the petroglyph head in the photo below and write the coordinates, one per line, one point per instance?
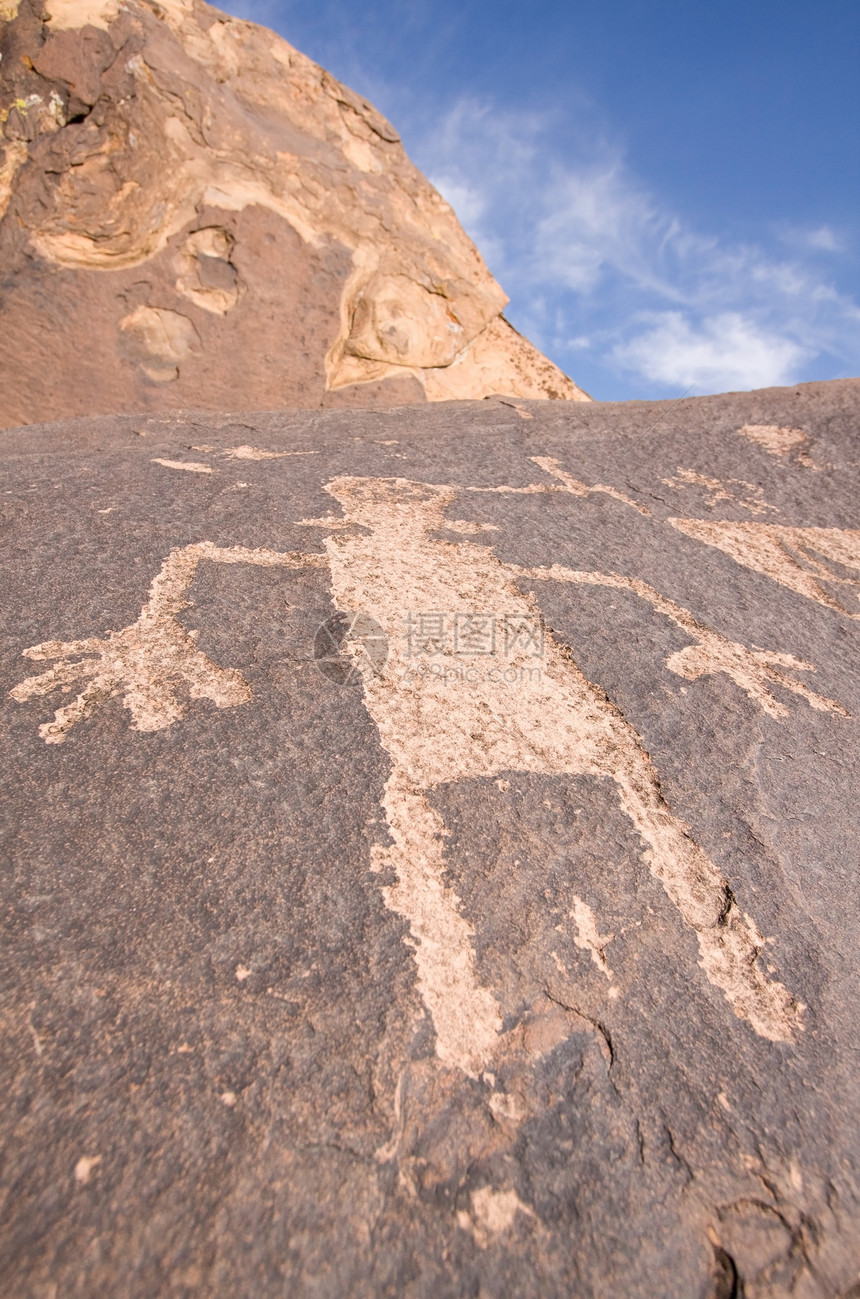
(398, 501)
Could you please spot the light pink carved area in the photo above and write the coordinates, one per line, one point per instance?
(151, 661)
(754, 670)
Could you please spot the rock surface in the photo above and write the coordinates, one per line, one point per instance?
(431, 851)
(193, 213)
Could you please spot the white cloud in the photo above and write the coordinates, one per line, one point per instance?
(821, 240)
(598, 219)
(825, 239)
(726, 351)
(587, 251)
(469, 203)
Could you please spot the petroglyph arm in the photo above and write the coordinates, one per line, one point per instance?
(806, 560)
(754, 670)
(151, 660)
(564, 483)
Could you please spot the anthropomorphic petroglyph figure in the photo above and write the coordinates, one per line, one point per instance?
(541, 716)
(442, 726)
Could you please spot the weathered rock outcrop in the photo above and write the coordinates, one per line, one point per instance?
(194, 212)
(430, 852)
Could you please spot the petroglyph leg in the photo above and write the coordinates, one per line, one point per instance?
(729, 942)
(149, 661)
(465, 1015)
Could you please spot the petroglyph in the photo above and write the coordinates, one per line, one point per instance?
(493, 1213)
(437, 730)
(754, 670)
(751, 498)
(255, 453)
(84, 1168)
(576, 488)
(799, 558)
(566, 482)
(148, 662)
(383, 553)
(247, 453)
(521, 411)
(784, 443)
(587, 937)
(193, 466)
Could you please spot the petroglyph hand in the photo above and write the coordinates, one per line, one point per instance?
(151, 661)
(754, 670)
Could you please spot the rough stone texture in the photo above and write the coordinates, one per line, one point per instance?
(193, 213)
(423, 985)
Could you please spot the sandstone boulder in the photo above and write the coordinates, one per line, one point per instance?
(193, 213)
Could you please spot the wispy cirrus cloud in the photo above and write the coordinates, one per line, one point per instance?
(603, 273)
(726, 351)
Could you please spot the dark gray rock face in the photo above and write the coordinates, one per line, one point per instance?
(430, 851)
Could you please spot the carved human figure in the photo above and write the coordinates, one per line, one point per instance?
(385, 557)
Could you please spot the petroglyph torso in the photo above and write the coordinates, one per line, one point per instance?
(471, 716)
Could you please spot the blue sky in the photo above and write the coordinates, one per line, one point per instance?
(669, 192)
